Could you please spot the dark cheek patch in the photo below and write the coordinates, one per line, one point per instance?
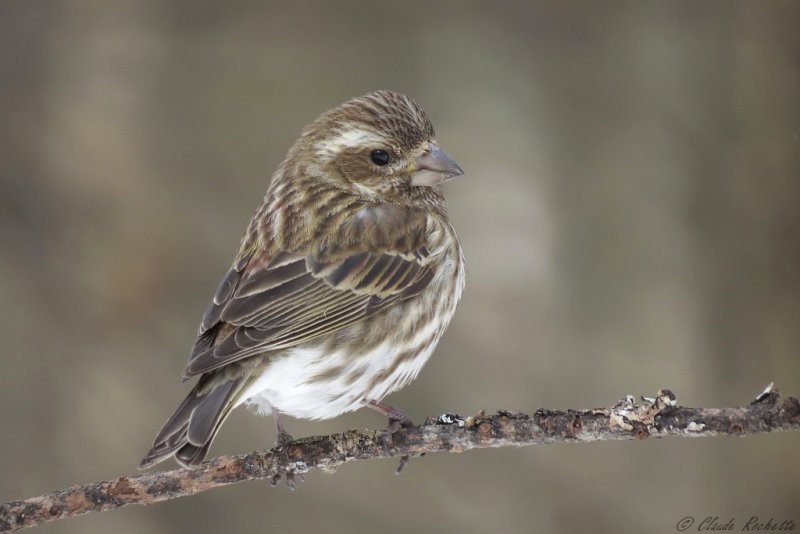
(357, 168)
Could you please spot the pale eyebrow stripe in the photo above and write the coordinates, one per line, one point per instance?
(349, 137)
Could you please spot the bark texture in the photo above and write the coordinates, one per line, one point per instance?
(626, 420)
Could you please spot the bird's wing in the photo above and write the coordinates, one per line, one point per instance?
(267, 304)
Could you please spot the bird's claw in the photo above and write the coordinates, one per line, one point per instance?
(403, 461)
(284, 440)
(282, 443)
(291, 479)
(397, 422)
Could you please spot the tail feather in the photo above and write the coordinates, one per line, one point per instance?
(189, 454)
(207, 416)
(188, 434)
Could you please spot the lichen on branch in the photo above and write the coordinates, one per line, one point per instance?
(448, 433)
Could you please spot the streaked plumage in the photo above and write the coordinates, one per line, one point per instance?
(345, 280)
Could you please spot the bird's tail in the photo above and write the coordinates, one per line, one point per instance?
(190, 431)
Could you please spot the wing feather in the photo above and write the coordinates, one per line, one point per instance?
(270, 303)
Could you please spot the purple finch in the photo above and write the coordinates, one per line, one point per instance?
(345, 280)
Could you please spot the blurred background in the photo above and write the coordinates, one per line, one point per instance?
(630, 216)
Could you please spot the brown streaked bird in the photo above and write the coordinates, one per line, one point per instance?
(345, 280)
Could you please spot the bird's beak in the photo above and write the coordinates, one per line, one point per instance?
(433, 167)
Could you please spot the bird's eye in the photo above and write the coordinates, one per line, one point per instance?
(379, 157)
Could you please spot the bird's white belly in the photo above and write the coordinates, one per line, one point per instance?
(317, 382)
(292, 384)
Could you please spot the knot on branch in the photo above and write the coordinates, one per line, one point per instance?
(627, 419)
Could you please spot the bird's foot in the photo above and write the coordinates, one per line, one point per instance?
(282, 443)
(397, 423)
(284, 440)
(398, 420)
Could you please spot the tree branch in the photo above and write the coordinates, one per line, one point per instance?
(626, 420)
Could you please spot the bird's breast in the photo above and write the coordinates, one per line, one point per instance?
(365, 361)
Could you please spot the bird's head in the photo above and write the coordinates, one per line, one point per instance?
(378, 145)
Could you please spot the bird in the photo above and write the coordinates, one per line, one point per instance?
(346, 278)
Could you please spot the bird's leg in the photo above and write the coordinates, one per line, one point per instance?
(397, 420)
(397, 417)
(284, 439)
(283, 442)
